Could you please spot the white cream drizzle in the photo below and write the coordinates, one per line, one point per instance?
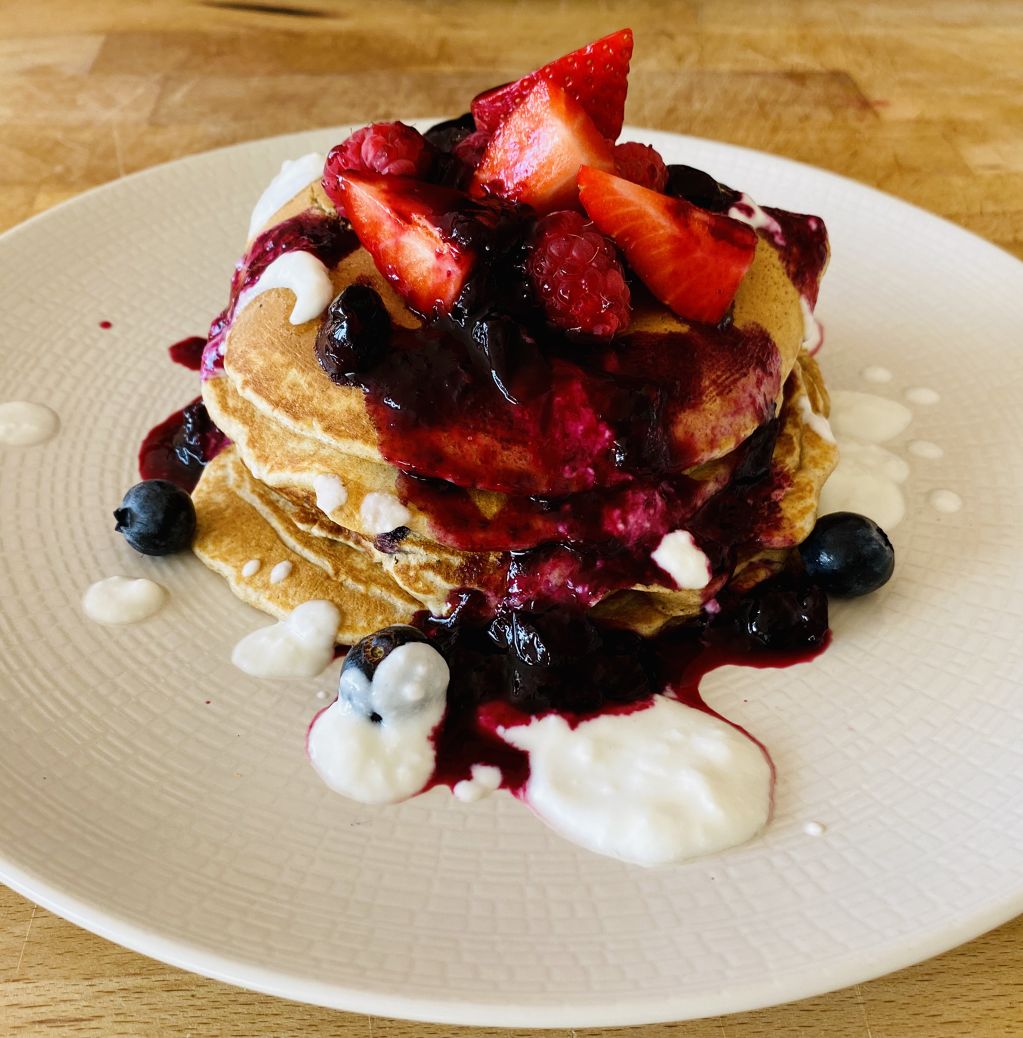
(295, 174)
(301, 273)
(747, 211)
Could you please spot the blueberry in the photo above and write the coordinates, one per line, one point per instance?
(353, 334)
(561, 660)
(847, 555)
(700, 188)
(156, 517)
(782, 615)
(445, 135)
(414, 680)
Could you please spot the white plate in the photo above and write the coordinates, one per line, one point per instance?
(152, 793)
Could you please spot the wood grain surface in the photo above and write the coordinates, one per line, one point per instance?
(920, 99)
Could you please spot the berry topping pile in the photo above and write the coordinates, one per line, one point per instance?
(546, 145)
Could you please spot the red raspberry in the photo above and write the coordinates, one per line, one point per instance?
(577, 276)
(642, 165)
(469, 150)
(393, 149)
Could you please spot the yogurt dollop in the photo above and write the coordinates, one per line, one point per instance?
(375, 743)
(25, 424)
(300, 646)
(659, 785)
(122, 600)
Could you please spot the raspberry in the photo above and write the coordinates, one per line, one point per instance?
(469, 150)
(393, 149)
(642, 165)
(577, 276)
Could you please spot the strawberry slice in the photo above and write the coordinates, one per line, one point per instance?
(536, 153)
(399, 222)
(597, 76)
(690, 259)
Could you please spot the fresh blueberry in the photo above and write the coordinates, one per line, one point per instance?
(354, 333)
(382, 683)
(156, 517)
(847, 555)
(700, 189)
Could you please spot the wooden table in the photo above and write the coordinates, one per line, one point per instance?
(919, 99)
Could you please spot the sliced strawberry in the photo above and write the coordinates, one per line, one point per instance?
(597, 76)
(399, 221)
(536, 153)
(690, 259)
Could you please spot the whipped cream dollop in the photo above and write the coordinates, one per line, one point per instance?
(294, 175)
(25, 424)
(122, 600)
(301, 273)
(681, 558)
(661, 784)
(299, 646)
(375, 743)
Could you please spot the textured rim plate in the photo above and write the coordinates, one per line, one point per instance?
(151, 793)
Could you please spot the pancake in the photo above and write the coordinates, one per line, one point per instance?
(230, 533)
(272, 365)
(490, 491)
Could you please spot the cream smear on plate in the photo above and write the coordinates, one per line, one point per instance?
(25, 424)
(653, 786)
(122, 600)
(869, 477)
(299, 646)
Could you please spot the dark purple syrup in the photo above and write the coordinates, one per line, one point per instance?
(523, 664)
(188, 352)
(181, 446)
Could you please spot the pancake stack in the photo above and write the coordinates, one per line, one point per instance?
(310, 480)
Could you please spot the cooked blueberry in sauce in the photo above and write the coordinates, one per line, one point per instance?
(354, 333)
(786, 614)
(700, 188)
(156, 517)
(848, 555)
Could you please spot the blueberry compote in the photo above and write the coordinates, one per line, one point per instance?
(179, 448)
(525, 663)
(324, 235)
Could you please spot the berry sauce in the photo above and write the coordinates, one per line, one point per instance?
(324, 235)
(521, 665)
(188, 352)
(179, 448)
(106, 325)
